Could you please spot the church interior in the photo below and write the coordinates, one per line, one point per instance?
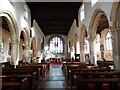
(59, 45)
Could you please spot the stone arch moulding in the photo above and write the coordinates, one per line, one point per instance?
(83, 33)
(11, 23)
(26, 36)
(94, 22)
(13, 30)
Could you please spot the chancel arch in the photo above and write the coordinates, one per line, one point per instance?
(9, 22)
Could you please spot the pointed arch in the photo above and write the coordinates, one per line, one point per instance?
(83, 34)
(94, 22)
(11, 23)
(98, 18)
(23, 35)
(14, 34)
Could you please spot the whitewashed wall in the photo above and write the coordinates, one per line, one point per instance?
(17, 12)
(37, 34)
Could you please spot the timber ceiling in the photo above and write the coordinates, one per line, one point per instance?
(54, 17)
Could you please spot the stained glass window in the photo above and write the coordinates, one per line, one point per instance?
(56, 45)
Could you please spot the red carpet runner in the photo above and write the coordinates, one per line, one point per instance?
(56, 63)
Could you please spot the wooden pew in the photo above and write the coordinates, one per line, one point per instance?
(72, 70)
(86, 73)
(43, 67)
(36, 69)
(13, 82)
(102, 75)
(30, 74)
(82, 83)
(74, 65)
(105, 74)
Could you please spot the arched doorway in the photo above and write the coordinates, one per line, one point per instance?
(12, 45)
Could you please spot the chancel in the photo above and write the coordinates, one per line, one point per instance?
(59, 45)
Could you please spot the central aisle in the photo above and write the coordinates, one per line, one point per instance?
(55, 79)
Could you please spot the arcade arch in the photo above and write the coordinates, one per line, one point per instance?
(23, 45)
(12, 26)
(99, 26)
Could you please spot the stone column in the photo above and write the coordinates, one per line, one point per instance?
(91, 45)
(82, 55)
(1, 56)
(116, 47)
(27, 54)
(92, 55)
(14, 52)
(17, 52)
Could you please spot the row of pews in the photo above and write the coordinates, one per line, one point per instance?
(23, 77)
(90, 77)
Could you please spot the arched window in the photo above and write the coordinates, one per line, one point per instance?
(56, 45)
(82, 13)
(93, 2)
(86, 46)
(108, 40)
(97, 41)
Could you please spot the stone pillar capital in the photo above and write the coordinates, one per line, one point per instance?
(90, 38)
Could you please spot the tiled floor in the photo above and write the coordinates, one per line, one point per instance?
(55, 80)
